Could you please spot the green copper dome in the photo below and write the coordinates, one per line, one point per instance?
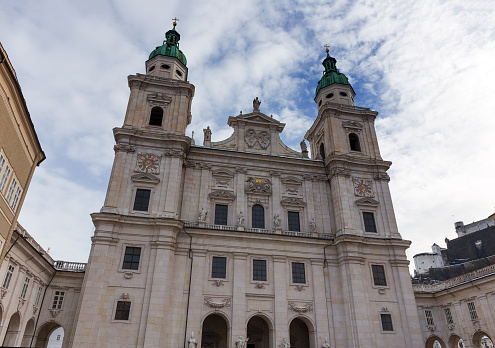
(331, 74)
(170, 47)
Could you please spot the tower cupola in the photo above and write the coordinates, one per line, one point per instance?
(333, 86)
(168, 60)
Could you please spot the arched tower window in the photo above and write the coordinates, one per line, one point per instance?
(156, 116)
(258, 214)
(354, 142)
(322, 151)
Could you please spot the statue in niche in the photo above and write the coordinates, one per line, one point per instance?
(277, 221)
(256, 104)
(284, 344)
(240, 342)
(240, 219)
(192, 341)
(312, 225)
(202, 214)
(325, 344)
(207, 134)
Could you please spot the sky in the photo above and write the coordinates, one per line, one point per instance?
(426, 66)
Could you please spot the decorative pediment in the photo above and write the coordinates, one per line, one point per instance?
(222, 178)
(256, 119)
(291, 185)
(224, 194)
(369, 202)
(145, 178)
(352, 126)
(293, 201)
(159, 99)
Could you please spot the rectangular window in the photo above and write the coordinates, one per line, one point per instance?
(131, 258)
(123, 310)
(387, 322)
(2, 162)
(142, 201)
(219, 267)
(13, 185)
(8, 277)
(448, 316)
(369, 222)
(293, 220)
(429, 317)
(5, 176)
(221, 214)
(58, 299)
(38, 296)
(472, 311)
(25, 287)
(259, 270)
(298, 273)
(379, 275)
(16, 198)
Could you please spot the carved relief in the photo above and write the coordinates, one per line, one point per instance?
(362, 187)
(54, 313)
(252, 137)
(223, 178)
(35, 309)
(291, 185)
(275, 173)
(205, 165)
(189, 163)
(124, 148)
(241, 170)
(125, 296)
(339, 172)
(259, 186)
(218, 282)
(352, 126)
(174, 153)
(299, 287)
(128, 275)
(264, 139)
(293, 201)
(159, 99)
(305, 308)
(148, 163)
(20, 303)
(222, 194)
(381, 176)
(259, 285)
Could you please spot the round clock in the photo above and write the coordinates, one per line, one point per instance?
(148, 164)
(363, 187)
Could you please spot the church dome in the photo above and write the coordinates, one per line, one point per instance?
(331, 74)
(170, 47)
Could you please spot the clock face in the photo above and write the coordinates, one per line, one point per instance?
(148, 164)
(362, 187)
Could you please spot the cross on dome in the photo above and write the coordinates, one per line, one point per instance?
(175, 21)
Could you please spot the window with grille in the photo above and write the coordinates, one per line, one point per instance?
(379, 275)
(38, 296)
(369, 222)
(448, 316)
(131, 258)
(472, 311)
(5, 176)
(8, 277)
(142, 201)
(259, 270)
(298, 273)
(58, 299)
(123, 310)
(219, 267)
(387, 322)
(293, 220)
(258, 213)
(429, 317)
(25, 287)
(221, 214)
(12, 187)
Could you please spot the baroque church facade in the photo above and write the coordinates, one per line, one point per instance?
(245, 242)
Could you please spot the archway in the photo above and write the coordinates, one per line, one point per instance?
(12, 330)
(28, 333)
(299, 334)
(481, 339)
(45, 334)
(435, 342)
(214, 332)
(456, 342)
(259, 331)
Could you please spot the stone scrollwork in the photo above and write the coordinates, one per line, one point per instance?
(54, 313)
(293, 201)
(259, 285)
(262, 137)
(20, 303)
(174, 153)
(251, 137)
(124, 148)
(307, 307)
(299, 287)
(128, 275)
(352, 126)
(213, 304)
(35, 309)
(218, 282)
(258, 185)
(159, 99)
(339, 172)
(381, 176)
(241, 170)
(222, 194)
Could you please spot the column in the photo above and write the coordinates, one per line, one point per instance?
(280, 288)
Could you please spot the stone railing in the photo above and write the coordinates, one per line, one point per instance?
(297, 234)
(432, 288)
(259, 230)
(255, 230)
(69, 266)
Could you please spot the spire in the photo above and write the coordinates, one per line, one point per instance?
(331, 74)
(170, 45)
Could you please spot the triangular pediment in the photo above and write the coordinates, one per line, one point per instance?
(145, 178)
(256, 118)
(367, 201)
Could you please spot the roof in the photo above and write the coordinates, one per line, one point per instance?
(170, 47)
(331, 74)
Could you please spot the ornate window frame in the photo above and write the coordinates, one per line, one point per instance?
(385, 270)
(269, 270)
(121, 260)
(368, 205)
(306, 273)
(210, 268)
(125, 297)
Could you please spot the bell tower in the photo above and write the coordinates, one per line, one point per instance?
(343, 136)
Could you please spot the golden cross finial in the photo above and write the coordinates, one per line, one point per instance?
(327, 48)
(175, 21)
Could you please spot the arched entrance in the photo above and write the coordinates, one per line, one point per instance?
(435, 342)
(481, 339)
(259, 332)
(12, 330)
(28, 333)
(299, 334)
(214, 332)
(45, 333)
(456, 342)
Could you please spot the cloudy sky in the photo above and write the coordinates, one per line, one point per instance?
(426, 66)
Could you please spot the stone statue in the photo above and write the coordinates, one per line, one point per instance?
(240, 219)
(207, 134)
(192, 341)
(312, 225)
(241, 343)
(284, 344)
(325, 344)
(303, 146)
(256, 104)
(202, 214)
(277, 221)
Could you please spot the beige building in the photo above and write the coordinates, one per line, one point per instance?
(20, 150)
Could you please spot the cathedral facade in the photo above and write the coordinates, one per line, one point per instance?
(245, 242)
